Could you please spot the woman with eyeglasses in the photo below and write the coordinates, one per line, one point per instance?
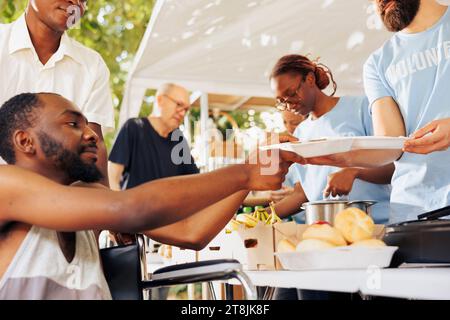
(298, 84)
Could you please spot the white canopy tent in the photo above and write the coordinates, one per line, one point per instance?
(230, 46)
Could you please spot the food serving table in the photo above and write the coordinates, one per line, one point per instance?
(408, 283)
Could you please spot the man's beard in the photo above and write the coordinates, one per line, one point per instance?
(398, 14)
(69, 162)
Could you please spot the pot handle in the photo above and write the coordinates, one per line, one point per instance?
(337, 198)
(369, 203)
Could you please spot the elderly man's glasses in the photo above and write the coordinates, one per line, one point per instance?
(180, 105)
(288, 103)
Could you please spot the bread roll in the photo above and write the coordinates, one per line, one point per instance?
(354, 224)
(369, 243)
(313, 244)
(285, 246)
(325, 232)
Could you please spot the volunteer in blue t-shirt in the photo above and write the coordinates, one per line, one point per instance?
(298, 83)
(407, 84)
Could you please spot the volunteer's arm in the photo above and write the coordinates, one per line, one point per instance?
(341, 182)
(292, 203)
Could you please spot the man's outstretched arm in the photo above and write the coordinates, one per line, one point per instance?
(30, 198)
(199, 229)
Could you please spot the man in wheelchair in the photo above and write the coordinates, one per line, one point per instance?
(50, 219)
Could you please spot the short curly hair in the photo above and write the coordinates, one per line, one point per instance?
(18, 113)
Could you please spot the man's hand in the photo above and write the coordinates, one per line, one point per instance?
(278, 195)
(291, 157)
(285, 155)
(435, 136)
(266, 170)
(341, 182)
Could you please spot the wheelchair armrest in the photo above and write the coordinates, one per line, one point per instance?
(195, 272)
(203, 271)
(190, 265)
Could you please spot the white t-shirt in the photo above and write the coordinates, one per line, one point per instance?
(74, 71)
(40, 271)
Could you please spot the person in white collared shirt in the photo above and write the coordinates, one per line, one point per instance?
(36, 55)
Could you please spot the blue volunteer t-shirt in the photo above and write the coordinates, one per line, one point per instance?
(350, 117)
(414, 69)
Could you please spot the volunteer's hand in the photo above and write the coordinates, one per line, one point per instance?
(275, 138)
(287, 138)
(435, 136)
(335, 160)
(341, 182)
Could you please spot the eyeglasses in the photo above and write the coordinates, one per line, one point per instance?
(180, 105)
(283, 104)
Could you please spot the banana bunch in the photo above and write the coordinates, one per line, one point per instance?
(251, 220)
(247, 219)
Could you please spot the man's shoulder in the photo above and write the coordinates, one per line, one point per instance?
(5, 30)
(133, 124)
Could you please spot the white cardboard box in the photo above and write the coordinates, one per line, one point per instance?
(220, 247)
(180, 256)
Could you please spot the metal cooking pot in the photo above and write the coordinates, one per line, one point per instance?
(326, 210)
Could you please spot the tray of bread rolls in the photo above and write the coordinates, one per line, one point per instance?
(351, 243)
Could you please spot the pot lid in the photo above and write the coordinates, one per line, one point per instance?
(326, 202)
(340, 201)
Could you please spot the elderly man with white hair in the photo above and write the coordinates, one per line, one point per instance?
(153, 147)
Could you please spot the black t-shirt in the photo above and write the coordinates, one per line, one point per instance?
(147, 156)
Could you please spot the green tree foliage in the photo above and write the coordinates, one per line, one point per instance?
(114, 28)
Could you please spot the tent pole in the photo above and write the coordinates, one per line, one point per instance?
(187, 129)
(204, 128)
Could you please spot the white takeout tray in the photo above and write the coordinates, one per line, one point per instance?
(378, 142)
(314, 148)
(332, 145)
(338, 258)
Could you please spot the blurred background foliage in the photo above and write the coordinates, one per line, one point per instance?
(114, 28)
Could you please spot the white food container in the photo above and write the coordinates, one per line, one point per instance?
(338, 258)
(331, 145)
(378, 142)
(315, 148)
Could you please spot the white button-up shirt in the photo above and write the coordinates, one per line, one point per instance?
(74, 71)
